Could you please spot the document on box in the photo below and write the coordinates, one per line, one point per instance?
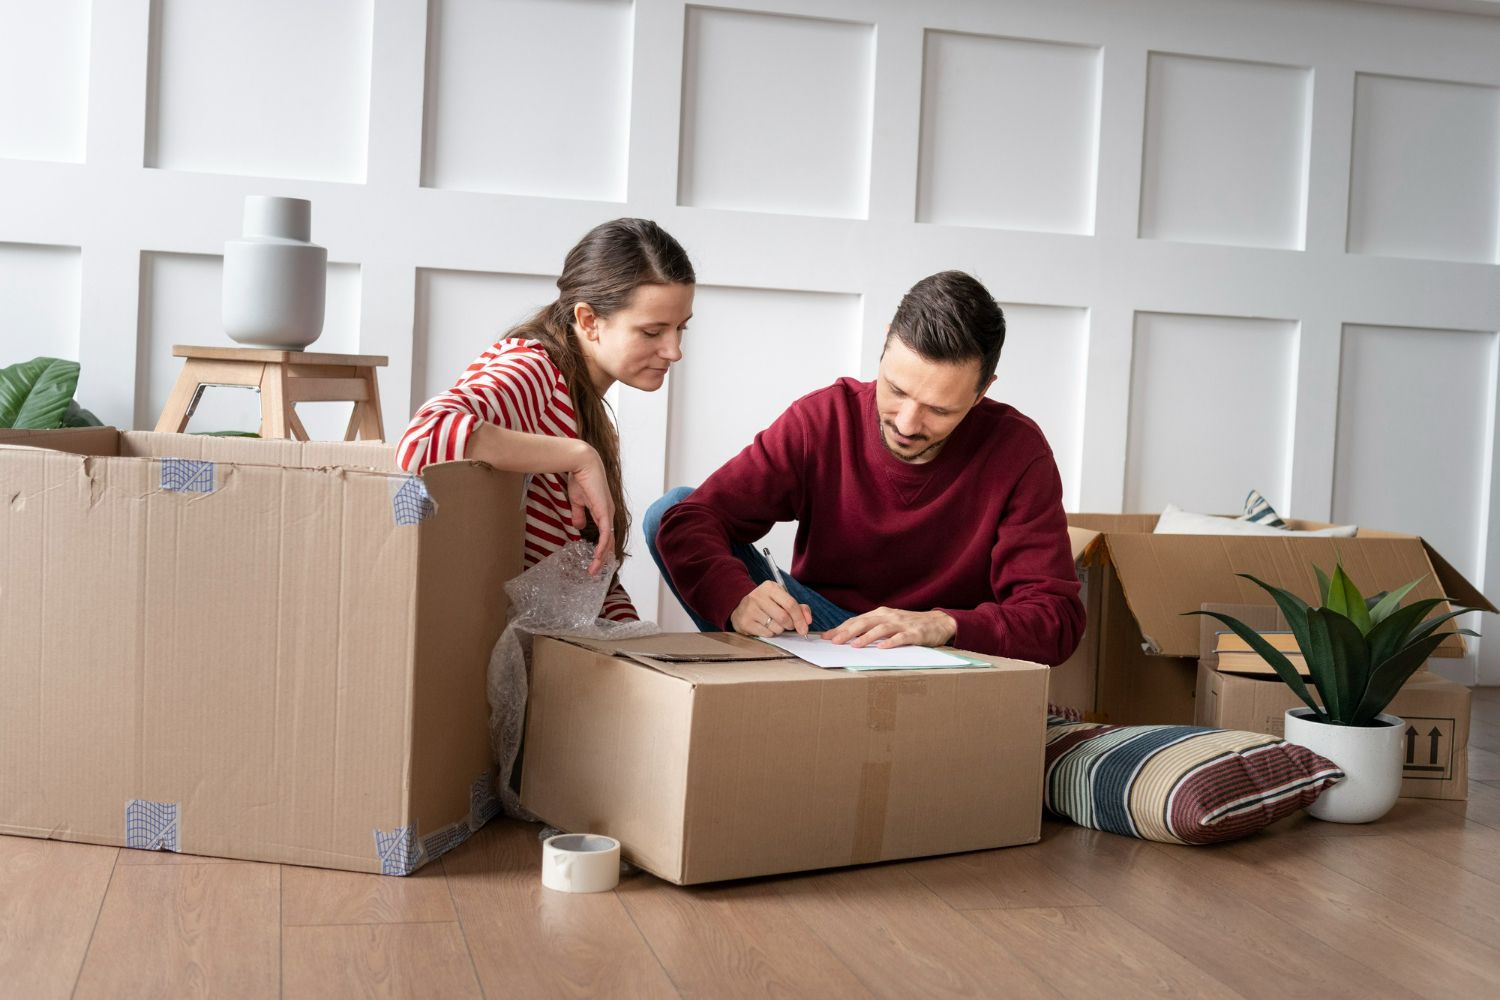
(822, 653)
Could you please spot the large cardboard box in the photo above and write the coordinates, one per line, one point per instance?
(716, 757)
(249, 649)
(1236, 695)
(1146, 651)
(1072, 683)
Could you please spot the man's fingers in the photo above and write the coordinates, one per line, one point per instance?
(876, 632)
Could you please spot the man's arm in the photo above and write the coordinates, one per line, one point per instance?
(1036, 615)
(739, 503)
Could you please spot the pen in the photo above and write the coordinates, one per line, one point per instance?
(780, 577)
(775, 569)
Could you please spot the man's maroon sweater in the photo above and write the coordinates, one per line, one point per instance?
(978, 532)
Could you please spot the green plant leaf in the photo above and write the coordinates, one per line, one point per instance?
(77, 416)
(1351, 664)
(1393, 633)
(1345, 599)
(1388, 677)
(1320, 663)
(1430, 625)
(1323, 583)
(1338, 661)
(1293, 608)
(1275, 657)
(35, 394)
(1388, 603)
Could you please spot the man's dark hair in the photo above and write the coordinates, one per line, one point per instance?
(950, 316)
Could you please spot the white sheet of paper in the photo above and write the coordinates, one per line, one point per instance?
(822, 653)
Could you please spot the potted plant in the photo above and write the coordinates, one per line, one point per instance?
(38, 394)
(1359, 652)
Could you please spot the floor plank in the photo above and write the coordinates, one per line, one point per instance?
(1231, 938)
(1419, 879)
(1482, 806)
(529, 941)
(50, 895)
(377, 960)
(998, 879)
(1484, 765)
(739, 940)
(186, 931)
(902, 941)
(1092, 951)
(1347, 917)
(322, 896)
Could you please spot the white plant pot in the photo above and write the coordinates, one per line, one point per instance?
(1370, 756)
(275, 281)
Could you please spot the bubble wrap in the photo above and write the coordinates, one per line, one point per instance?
(557, 597)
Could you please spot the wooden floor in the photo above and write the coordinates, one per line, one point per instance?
(1406, 907)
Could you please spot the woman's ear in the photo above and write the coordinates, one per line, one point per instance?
(586, 320)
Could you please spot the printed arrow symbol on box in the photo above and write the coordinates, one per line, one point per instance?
(1411, 744)
(1436, 734)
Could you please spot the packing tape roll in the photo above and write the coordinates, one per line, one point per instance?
(580, 862)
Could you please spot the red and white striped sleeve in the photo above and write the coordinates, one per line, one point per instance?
(511, 386)
(617, 605)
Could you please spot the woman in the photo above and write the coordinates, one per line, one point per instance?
(534, 401)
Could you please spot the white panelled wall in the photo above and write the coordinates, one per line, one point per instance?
(1242, 243)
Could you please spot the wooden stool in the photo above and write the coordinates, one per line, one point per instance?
(284, 379)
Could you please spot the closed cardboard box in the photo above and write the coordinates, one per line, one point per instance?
(1234, 693)
(715, 757)
(265, 650)
(1147, 651)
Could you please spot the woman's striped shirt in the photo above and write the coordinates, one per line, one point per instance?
(515, 385)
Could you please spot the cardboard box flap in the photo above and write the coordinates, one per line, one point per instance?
(1134, 524)
(687, 647)
(1454, 585)
(378, 456)
(1164, 576)
(1080, 540)
(103, 441)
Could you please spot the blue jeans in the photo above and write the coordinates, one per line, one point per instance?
(825, 614)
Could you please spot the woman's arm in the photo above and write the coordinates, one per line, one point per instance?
(588, 489)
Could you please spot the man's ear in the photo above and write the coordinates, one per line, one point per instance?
(586, 320)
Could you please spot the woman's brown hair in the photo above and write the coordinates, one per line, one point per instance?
(603, 270)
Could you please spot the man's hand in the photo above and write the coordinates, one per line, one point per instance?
(769, 610)
(891, 627)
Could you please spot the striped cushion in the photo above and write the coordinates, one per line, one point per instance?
(1178, 784)
(1259, 510)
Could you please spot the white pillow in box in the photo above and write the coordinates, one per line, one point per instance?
(1176, 521)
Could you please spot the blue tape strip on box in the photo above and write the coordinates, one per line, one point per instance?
(401, 852)
(185, 475)
(151, 826)
(411, 503)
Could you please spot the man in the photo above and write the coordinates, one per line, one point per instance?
(927, 513)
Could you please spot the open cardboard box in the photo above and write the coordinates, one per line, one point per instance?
(713, 756)
(1141, 649)
(256, 649)
(1236, 693)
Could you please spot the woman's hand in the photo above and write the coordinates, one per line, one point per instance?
(769, 610)
(588, 491)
